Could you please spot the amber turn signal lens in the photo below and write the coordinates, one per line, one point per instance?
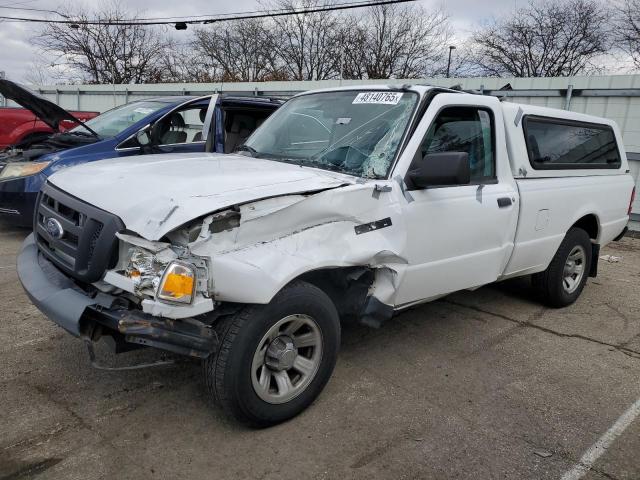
(177, 283)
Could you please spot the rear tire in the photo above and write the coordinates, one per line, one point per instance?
(562, 282)
(274, 359)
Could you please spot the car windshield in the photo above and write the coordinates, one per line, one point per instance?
(353, 132)
(114, 121)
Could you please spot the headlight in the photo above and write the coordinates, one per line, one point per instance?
(164, 277)
(22, 169)
(178, 283)
(145, 270)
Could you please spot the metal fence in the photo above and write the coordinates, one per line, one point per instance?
(616, 97)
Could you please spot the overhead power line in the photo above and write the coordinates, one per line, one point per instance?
(43, 10)
(271, 12)
(211, 19)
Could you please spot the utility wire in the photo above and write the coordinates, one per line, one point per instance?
(205, 21)
(5, 7)
(355, 3)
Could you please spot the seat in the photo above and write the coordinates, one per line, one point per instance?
(242, 126)
(175, 130)
(203, 115)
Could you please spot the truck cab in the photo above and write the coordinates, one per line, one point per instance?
(351, 203)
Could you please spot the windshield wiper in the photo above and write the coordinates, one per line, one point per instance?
(310, 163)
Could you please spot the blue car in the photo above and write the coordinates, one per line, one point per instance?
(213, 123)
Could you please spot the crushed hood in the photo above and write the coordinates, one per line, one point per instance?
(44, 109)
(154, 194)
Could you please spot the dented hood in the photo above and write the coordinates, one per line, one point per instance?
(44, 109)
(154, 194)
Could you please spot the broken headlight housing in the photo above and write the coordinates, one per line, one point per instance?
(162, 276)
(145, 270)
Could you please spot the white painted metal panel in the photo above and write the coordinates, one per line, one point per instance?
(624, 110)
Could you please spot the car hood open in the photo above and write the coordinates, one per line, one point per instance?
(44, 109)
(155, 194)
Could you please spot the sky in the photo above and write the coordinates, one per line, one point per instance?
(17, 54)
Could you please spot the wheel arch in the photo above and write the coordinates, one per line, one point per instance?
(590, 224)
(347, 286)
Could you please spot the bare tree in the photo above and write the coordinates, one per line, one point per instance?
(627, 28)
(181, 63)
(236, 51)
(546, 39)
(104, 53)
(39, 72)
(463, 61)
(395, 41)
(306, 45)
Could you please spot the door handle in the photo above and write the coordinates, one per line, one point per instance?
(504, 202)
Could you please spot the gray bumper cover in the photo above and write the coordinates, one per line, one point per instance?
(52, 292)
(71, 308)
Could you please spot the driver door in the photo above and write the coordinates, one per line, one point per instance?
(186, 129)
(460, 236)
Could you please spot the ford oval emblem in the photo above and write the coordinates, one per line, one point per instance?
(54, 228)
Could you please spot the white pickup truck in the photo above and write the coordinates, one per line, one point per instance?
(346, 203)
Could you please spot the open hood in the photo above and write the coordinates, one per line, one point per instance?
(44, 109)
(154, 194)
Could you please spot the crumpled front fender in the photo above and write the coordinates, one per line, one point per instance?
(351, 226)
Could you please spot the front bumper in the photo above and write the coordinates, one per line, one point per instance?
(80, 313)
(16, 204)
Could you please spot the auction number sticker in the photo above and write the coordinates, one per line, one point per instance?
(380, 98)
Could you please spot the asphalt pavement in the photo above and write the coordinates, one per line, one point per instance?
(486, 384)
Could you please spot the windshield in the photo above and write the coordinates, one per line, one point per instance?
(114, 121)
(352, 132)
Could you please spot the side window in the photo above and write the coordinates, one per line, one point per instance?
(564, 144)
(464, 129)
(183, 126)
(239, 124)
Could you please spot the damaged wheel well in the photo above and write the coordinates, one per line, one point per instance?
(347, 287)
(350, 290)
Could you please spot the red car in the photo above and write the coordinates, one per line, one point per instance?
(19, 125)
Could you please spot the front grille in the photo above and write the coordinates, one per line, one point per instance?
(85, 246)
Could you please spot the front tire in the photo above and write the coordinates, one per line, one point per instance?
(275, 359)
(563, 281)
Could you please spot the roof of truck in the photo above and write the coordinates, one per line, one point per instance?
(415, 88)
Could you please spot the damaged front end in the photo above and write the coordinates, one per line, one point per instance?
(167, 280)
(168, 288)
(164, 293)
(181, 284)
(189, 336)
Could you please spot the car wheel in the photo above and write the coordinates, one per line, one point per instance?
(562, 282)
(275, 359)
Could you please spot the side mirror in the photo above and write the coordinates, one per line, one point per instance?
(143, 137)
(437, 169)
